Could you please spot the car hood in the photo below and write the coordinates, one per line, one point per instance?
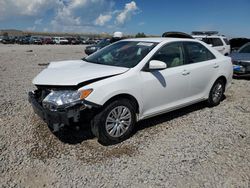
(95, 45)
(74, 72)
(240, 57)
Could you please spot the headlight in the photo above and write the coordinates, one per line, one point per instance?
(62, 97)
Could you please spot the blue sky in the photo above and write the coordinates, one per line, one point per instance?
(151, 17)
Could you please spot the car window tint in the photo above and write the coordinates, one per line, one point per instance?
(122, 54)
(207, 40)
(226, 41)
(216, 42)
(245, 49)
(196, 52)
(171, 54)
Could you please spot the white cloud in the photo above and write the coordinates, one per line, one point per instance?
(127, 12)
(67, 15)
(81, 15)
(102, 19)
(10, 8)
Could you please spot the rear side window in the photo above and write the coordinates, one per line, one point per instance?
(226, 41)
(196, 52)
(216, 42)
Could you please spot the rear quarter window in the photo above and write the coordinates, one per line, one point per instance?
(216, 42)
(226, 41)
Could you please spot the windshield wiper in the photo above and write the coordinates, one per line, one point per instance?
(84, 59)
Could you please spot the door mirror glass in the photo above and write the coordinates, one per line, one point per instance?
(157, 65)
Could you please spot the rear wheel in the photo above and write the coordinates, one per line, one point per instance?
(216, 93)
(115, 122)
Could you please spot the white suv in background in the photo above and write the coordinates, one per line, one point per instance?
(218, 42)
(60, 40)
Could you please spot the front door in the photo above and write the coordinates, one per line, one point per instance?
(168, 88)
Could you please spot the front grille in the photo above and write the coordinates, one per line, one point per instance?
(40, 94)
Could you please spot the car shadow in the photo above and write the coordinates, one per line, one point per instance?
(76, 134)
(241, 78)
(144, 124)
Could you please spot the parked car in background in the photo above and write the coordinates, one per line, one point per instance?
(1, 38)
(76, 41)
(8, 40)
(93, 48)
(218, 42)
(47, 40)
(129, 81)
(88, 41)
(35, 40)
(176, 34)
(241, 61)
(73, 40)
(84, 40)
(23, 40)
(236, 43)
(60, 40)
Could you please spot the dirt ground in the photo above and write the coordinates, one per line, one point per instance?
(193, 147)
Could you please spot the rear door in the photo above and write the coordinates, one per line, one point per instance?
(203, 67)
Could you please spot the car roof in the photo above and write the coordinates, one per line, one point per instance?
(159, 39)
(208, 36)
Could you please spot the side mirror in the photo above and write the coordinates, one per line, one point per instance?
(157, 65)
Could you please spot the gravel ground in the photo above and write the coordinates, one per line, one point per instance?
(193, 147)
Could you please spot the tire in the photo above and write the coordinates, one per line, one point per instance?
(216, 93)
(115, 122)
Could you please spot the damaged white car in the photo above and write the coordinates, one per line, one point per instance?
(128, 81)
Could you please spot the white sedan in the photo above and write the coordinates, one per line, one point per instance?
(128, 81)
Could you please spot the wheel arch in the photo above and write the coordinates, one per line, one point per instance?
(125, 96)
(223, 78)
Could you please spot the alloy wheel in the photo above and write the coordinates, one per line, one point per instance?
(118, 121)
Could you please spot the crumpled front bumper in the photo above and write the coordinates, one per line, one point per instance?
(66, 116)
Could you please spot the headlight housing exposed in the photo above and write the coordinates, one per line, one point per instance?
(64, 97)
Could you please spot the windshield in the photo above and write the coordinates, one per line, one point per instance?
(122, 54)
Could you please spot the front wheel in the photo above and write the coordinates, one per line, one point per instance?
(115, 122)
(216, 93)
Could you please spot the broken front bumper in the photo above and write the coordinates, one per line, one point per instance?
(71, 114)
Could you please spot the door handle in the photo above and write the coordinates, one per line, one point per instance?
(216, 65)
(185, 72)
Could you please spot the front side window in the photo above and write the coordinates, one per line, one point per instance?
(122, 54)
(171, 54)
(196, 52)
